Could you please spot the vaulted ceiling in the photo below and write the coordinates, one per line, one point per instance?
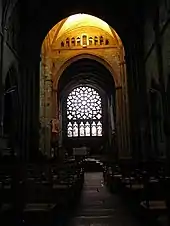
(83, 22)
(86, 71)
(38, 17)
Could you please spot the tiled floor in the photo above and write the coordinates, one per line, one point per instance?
(98, 207)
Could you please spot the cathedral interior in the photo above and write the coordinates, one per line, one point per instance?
(85, 113)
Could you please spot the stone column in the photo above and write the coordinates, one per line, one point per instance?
(25, 113)
(48, 114)
(54, 104)
(119, 121)
(125, 107)
(34, 106)
(122, 111)
(42, 110)
(1, 84)
(46, 100)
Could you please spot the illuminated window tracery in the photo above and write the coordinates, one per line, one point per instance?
(84, 113)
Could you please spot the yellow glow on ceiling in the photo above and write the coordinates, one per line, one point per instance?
(83, 20)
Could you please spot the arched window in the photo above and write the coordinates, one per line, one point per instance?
(107, 42)
(90, 41)
(95, 40)
(84, 40)
(62, 44)
(101, 40)
(84, 113)
(78, 40)
(73, 41)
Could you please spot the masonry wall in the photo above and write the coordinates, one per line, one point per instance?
(59, 54)
(157, 70)
(9, 31)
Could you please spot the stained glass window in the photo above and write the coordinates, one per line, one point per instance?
(84, 112)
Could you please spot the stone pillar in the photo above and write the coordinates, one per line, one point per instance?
(135, 91)
(46, 100)
(54, 104)
(119, 120)
(34, 106)
(158, 45)
(42, 110)
(122, 111)
(25, 82)
(1, 84)
(48, 114)
(29, 112)
(125, 108)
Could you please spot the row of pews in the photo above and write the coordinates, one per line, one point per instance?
(146, 189)
(39, 194)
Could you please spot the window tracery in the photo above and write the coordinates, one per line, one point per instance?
(84, 113)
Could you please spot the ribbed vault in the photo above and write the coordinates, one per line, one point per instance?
(86, 71)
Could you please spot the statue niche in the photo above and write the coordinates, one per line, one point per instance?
(156, 119)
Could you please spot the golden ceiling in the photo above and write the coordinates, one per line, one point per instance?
(77, 21)
(83, 20)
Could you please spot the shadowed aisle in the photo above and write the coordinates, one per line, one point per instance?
(99, 207)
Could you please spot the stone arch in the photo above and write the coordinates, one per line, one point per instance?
(95, 57)
(54, 65)
(54, 31)
(156, 116)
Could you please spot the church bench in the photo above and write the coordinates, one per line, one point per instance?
(39, 213)
(61, 183)
(42, 179)
(153, 202)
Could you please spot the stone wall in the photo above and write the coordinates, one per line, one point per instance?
(57, 58)
(9, 30)
(157, 69)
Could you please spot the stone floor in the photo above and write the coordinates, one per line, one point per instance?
(98, 207)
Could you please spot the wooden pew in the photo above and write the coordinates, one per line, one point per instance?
(38, 190)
